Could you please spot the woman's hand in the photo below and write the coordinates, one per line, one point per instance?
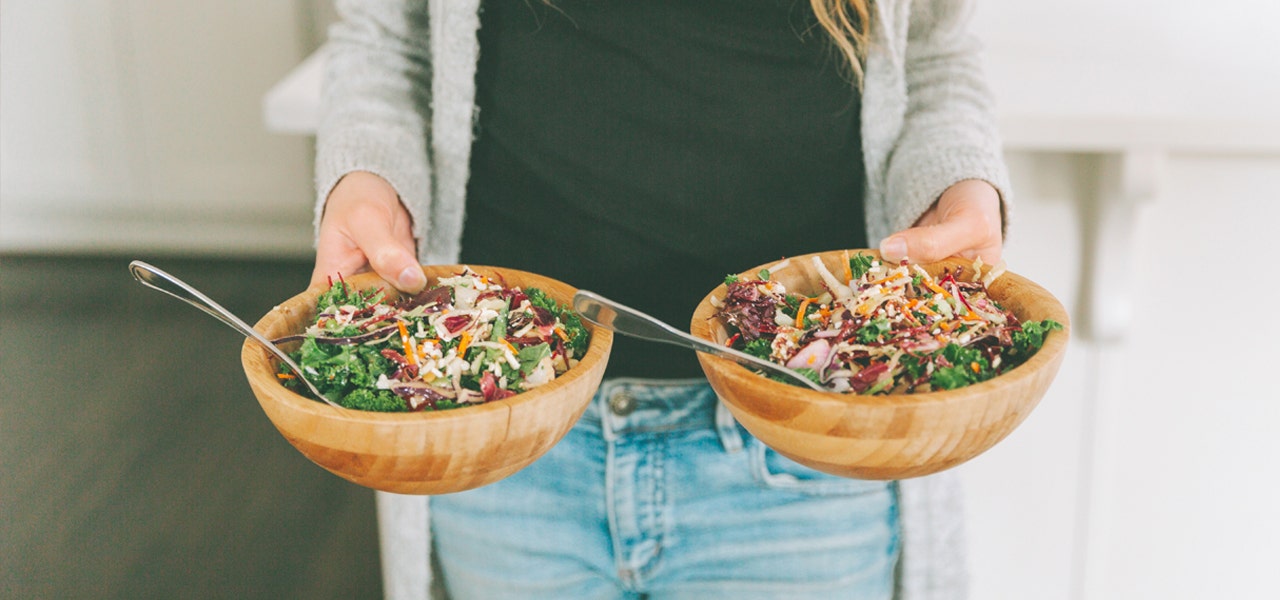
(364, 226)
(965, 221)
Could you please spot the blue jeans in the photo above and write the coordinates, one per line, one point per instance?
(657, 493)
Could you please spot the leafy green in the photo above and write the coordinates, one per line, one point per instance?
(730, 279)
(960, 355)
(1031, 337)
(340, 294)
(539, 298)
(530, 356)
(373, 400)
(968, 366)
(873, 330)
(499, 330)
(793, 303)
(333, 329)
(911, 365)
(950, 378)
(759, 347)
(338, 369)
(859, 264)
(810, 374)
(764, 274)
(579, 339)
(336, 295)
(880, 385)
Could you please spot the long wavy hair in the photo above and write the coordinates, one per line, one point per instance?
(847, 23)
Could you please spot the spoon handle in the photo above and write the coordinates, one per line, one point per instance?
(629, 321)
(161, 281)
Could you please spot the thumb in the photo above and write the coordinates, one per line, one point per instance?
(966, 222)
(391, 258)
(926, 243)
(934, 242)
(365, 225)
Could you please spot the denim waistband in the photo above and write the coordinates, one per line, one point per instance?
(625, 406)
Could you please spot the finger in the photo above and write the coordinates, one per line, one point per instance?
(387, 245)
(962, 233)
(336, 255)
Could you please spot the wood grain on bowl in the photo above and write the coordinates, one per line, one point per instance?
(425, 452)
(894, 436)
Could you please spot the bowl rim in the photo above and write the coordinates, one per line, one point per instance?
(598, 349)
(1055, 344)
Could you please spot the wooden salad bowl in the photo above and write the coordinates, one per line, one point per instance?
(425, 452)
(894, 436)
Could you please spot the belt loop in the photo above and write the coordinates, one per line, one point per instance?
(727, 428)
(601, 400)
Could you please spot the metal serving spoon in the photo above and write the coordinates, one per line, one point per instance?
(160, 281)
(629, 321)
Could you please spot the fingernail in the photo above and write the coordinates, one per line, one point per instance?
(893, 249)
(412, 279)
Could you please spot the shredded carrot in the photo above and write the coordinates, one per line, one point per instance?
(462, 345)
(560, 332)
(885, 279)
(804, 305)
(977, 368)
(410, 353)
(510, 347)
(286, 376)
(937, 289)
(865, 308)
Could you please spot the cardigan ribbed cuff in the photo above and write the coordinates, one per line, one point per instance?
(400, 159)
(912, 190)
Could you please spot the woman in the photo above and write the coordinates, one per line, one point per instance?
(643, 150)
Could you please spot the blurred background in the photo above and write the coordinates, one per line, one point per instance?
(1144, 140)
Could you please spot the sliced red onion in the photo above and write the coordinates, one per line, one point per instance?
(812, 356)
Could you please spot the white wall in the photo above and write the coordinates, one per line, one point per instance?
(134, 125)
(1148, 470)
(1144, 58)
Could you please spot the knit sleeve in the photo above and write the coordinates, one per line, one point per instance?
(375, 103)
(949, 132)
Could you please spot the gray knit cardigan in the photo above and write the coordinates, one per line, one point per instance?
(399, 101)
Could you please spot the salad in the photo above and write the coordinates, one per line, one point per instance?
(881, 329)
(467, 340)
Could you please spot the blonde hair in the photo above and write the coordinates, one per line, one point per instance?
(847, 23)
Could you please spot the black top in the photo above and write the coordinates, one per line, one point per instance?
(644, 150)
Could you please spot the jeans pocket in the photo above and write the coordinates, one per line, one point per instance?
(775, 471)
